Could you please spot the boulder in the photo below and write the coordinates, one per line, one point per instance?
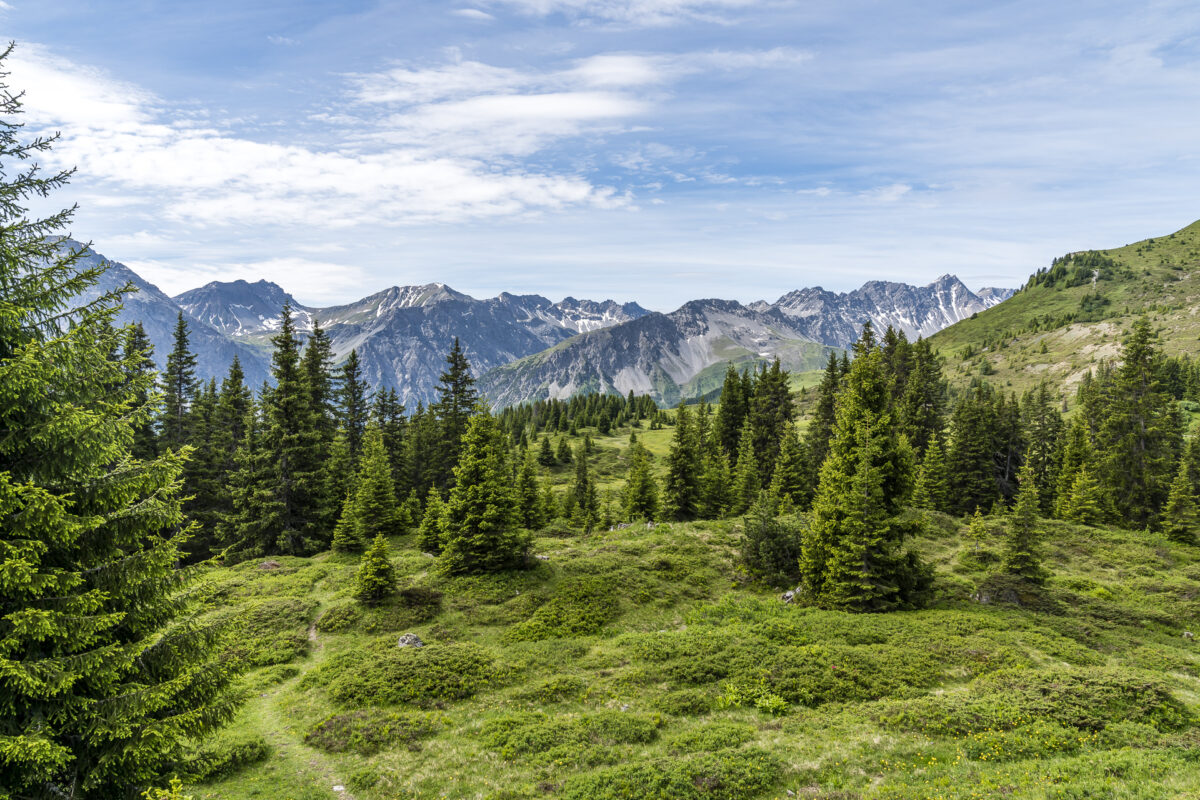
(410, 640)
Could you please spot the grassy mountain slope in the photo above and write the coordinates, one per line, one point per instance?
(1159, 277)
(633, 664)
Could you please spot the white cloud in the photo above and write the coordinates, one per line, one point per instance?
(887, 194)
(282, 40)
(473, 14)
(311, 281)
(634, 12)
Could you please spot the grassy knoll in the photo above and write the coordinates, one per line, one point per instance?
(639, 664)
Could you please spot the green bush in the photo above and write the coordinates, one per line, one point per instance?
(1039, 739)
(726, 775)
(339, 618)
(816, 674)
(222, 757)
(418, 675)
(580, 737)
(579, 607)
(368, 731)
(711, 737)
(555, 689)
(269, 676)
(685, 703)
(269, 632)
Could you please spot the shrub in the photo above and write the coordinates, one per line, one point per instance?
(727, 775)
(418, 675)
(222, 757)
(1039, 739)
(816, 674)
(271, 631)
(339, 618)
(580, 606)
(370, 730)
(685, 703)
(711, 737)
(571, 738)
(555, 689)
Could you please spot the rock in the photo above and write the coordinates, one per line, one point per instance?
(625, 707)
(337, 787)
(429, 555)
(270, 565)
(410, 640)
(788, 596)
(649, 526)
(985, 597)
(542, 558)
(1188, 635)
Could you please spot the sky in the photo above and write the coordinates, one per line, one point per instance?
(648, 150)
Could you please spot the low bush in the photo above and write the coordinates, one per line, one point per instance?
(340, 618)
(222, 757)
(575, 739)
(418, 675)
(555, 689)
(711, 737)
(269, 632)
(726, 775)
(579, 607)
(1039, 739)
(685, 703)
(368, 731)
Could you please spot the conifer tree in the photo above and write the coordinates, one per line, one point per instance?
(529, 494)
(788, 485)
(1074, 452)
(1180, 516)
(138, 353)
(732, 414)
(682, 491)
(853, 555)
(971, 454)
(932, 490)
(746, 481)
(770, 549)
(480, 530)
(248, 530)
(388, 414)
(639, 500)
(345, 532)
(429, 533)
(820, 428)
(715, 477)
(563, 453)
(546, 455)
(352, 404)
(922, 405)
(1191, 456)
(1043, 427)
(410, 510)
(179, 388)
(770, 412)
(586, 505)
(101, 686)
(1022, 558)
(204, 475)
(455, 405)
(372, 509)
(1085, 502)
(376, 578)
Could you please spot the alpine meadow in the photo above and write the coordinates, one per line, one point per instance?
(908, 541)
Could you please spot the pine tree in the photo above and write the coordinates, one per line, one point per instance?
(732, 414)
(586, 506)
(204, 478)
(138, 353)
(429, 533)
(373, 510)
(1139, 436)
(480, 530)
(853, 555)
(410, 510)
(345, 532)
(529, 494)
(771, 411)
(639, 500)
(1042, 426)
(101, 686)
(1074, 452)
(1180, 516)
(455, 405)
(788, 484)
(682, 491)
(971, 455)
(922, 406)
(1085, 503)
(1021, 557)
(770, 549)
(546, 455)
(932, 490)
(376, 578)
(388, 414)
(820, 428)
(179, 388)
(715, 477)
(352, 404)
(563, 454)
(746, 481)
(1191, 456)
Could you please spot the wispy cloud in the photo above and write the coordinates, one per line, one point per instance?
(473, 14)
(649, 13)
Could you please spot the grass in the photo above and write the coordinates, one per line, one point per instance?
(639, 663)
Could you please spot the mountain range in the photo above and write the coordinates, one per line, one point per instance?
(525, 347)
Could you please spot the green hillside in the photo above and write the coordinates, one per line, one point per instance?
(1058, 332)
(639, 664)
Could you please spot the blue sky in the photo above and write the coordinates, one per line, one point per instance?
(649, 150)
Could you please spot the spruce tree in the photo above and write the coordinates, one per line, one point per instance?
(529, 494)
(373, 510)
(103, 684)
(546, 455)
(376, 577)
(770, 549)
(1074, 452)
(249, 531)
(1042, 426)
(429, 533)
(345, 532)
(639, 499)
(789, 483)
(681, 496)
(746, 481)
(932, 489)
(1021, 557)
(586, 506)
(138, 353)
(853, 555)
(1180, 516)
(771, 411)
(922, 405)
(480, 531)
(563, 454)
(820, 427)
(352, 404)
(971, 454)
(388, 413)
(732, 414)
(179, 388)
(715, 478)
(1085, 502)
(455, 405)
